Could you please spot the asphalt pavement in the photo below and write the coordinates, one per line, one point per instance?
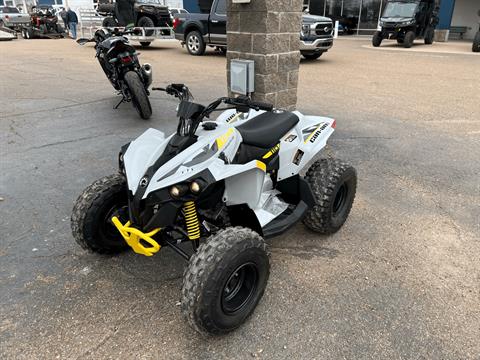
(401, 279)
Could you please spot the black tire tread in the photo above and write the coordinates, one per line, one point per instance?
(138, 94)
(86, 203)
(322, 176)
(203, 45)
(377, 39)
(476, 43)
(203, 262)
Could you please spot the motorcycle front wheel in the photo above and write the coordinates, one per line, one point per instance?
(138, 94)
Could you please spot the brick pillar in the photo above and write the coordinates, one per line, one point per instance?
(268, 32)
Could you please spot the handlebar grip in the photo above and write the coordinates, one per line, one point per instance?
(261, 105)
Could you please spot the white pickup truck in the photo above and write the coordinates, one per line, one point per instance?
(11, 17)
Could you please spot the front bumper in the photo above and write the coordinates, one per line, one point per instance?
(317, 45)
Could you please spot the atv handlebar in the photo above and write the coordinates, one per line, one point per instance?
(241, 103)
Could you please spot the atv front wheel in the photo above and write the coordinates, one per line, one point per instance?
(377, 39)
(138, 94)
(91, 226)
(333, 184)
(408, 39)
(224, 281)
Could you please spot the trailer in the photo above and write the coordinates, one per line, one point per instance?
(90, 21)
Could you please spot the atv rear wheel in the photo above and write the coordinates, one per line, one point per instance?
(146, 22)
(109, 22)
(224, 281)
(408, 39)
(429, 35)
(377, 39)
(195, 43)
(333, 184)
(138, 94)
(91, 226)
(476, 43)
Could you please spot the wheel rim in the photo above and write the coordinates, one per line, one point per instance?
(239, 288)
(106, 228)
(193, 43)
(340, 199)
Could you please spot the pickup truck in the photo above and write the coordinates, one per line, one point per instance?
(208, 26)
(12, 18)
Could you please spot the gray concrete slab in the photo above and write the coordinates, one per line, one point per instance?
(399, 281)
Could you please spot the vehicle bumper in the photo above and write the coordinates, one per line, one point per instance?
(317, 45)
(180, 37)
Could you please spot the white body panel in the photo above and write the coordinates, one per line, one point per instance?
(244, 183)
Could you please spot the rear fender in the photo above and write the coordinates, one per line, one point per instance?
(303, 143)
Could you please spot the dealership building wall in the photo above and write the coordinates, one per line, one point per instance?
(366, 13)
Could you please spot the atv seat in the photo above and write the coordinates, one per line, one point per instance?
(265, 130)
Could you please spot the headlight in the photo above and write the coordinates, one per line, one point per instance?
(306, 30)
(174, 191)
(178, 190)
(195, 187)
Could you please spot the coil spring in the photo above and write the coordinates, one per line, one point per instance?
(191, 220)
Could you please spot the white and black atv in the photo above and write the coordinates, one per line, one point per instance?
(224, 186)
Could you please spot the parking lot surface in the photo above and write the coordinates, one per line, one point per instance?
(401, 279)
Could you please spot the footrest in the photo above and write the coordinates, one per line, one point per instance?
(133, 237)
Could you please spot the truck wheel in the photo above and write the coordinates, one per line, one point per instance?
(224, 281)
(310, 56)
(109, 22)
(476, 43)
(146, 22)
(408, 39)
(90, 221)
(333, 184)
(145, 43)
(377, 39)
(429, 35)
(139, 96)
(195, 43)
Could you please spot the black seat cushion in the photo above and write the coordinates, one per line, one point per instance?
(265, 130)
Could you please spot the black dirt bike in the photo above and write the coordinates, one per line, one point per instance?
(119, 60)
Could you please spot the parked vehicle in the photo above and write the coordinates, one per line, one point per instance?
(223, 186)
(175, 11)
(316, 36)
(476, 39)
(11, 17)
(119, 60)
(407, 20)
(43, 24)
(209, 27)
(146, 14)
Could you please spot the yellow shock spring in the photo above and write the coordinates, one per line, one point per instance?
(191, 219)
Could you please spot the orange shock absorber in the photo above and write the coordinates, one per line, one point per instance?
(191, 220)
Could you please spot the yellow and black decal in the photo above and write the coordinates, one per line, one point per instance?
(272, 151)
(315, 133)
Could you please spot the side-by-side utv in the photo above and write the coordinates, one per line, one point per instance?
(407, 20)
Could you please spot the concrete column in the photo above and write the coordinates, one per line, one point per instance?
(268, 32)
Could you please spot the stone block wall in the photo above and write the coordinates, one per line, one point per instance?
(267, 31)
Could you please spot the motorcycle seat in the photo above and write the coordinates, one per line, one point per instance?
(265, 130)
